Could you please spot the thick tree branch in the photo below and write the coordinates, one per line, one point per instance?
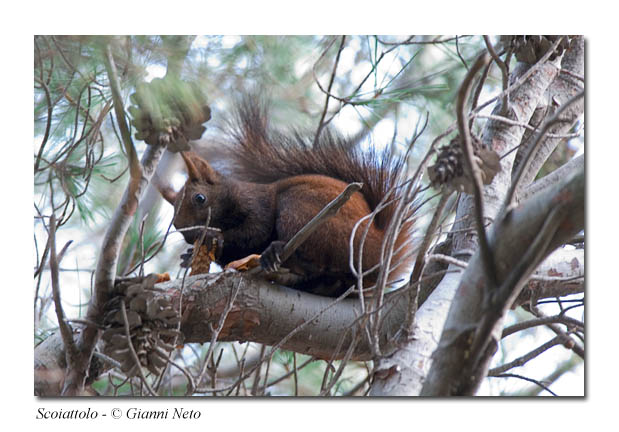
(511, 241)
(563, 88)
(410, 364)
(268, 314)
(552, 178)
(503, 138)
(534, 147)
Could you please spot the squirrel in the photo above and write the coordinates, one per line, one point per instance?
(278, 184)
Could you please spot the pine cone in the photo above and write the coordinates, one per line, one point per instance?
(450, 170)
(206, 249)
(203, 256)
(449, 164)
(152, 324)
(170, 112)
(530, 49)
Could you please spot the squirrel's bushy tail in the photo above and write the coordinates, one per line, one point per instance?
(263, 154)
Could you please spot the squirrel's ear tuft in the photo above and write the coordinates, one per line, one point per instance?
(199, 169)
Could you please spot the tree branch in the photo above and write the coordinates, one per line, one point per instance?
(563, 88)
(511, 241)
(467, 150)
(552, 178)
(269, 314)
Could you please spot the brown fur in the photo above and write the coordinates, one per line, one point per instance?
(280, 183)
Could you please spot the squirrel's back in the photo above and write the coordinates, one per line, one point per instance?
(264, 155)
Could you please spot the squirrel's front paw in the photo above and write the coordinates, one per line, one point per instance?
(270, 260)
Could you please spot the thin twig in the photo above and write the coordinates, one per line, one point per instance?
(65, 330)
(220, 326)
(292, 372)
(520, 361)
(510, 375)
(134, 164)
(427, 240)
(321, 123)
(511, 122)
(561, 319)
(504, 72)
(467, 149)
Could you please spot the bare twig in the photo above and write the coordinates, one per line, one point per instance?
(561, 319)
(511, 122)
(220, 326)
(565, 337)
(538, 383)
(504, 71)
(134, 165)
(429, 236)
(525, 358)
(467, 149)
(293, 372)
(410, 41)
(321, 123)
(54, 262)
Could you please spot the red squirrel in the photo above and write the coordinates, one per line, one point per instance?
(279, 183)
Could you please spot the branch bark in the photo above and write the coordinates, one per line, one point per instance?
(269, 314)
(562, 89)
(511, 241)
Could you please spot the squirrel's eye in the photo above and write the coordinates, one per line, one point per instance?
(199, 199)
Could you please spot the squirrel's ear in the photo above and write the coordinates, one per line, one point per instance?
(198, 168)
